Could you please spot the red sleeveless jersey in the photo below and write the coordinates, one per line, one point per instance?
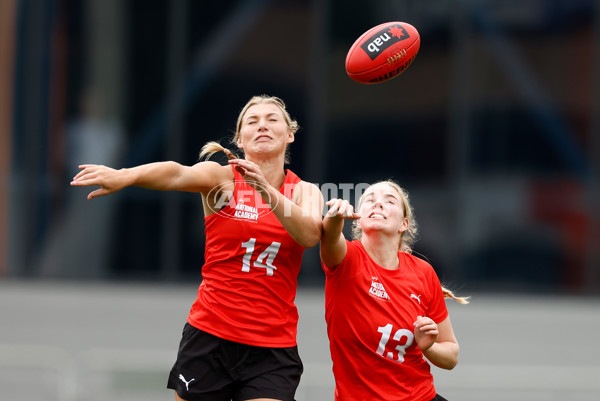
(370, 313)
(250, 273)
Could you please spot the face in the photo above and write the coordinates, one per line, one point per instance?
(382, 209)
(264, 130)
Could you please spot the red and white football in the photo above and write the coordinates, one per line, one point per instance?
(383, 52)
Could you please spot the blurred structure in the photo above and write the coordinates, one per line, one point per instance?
(495, 128)
(92, 137)
(7, 51)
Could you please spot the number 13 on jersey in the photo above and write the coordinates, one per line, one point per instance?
(386, 332)
(268, 254)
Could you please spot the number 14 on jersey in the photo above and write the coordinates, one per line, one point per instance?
(264, 260)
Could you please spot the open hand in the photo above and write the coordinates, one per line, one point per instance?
(109, 179)
(342, 209)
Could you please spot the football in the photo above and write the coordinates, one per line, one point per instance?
(383, 52)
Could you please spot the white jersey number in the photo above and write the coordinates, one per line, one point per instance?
(264, 260)
(386, 332)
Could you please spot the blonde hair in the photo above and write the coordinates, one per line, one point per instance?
(449, 294)
(212, 147)
(408, 237)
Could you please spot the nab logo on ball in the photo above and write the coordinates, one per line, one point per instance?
(383, 52)
(383, 39)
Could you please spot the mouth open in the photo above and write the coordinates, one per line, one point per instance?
(376, 215)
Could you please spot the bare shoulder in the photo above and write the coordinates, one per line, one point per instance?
(213, 168)
(309, 197)
(207, 175)
(309, 186)
(306, 190)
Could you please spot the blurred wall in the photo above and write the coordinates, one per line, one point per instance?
(7, 45)
(493, 130)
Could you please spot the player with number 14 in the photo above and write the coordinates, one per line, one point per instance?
(239, 341)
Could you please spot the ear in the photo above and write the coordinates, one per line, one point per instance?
(290, 137)
(239, 142)
(404, 226)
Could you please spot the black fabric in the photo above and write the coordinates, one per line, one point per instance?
(209, 368)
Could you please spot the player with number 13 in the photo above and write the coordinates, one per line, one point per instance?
(385, 308)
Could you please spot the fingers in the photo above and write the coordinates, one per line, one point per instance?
(240, 170)
(421, 321)
(244, 164)
(84, 180)
(251, 173)
(230, 155)
(247, 169)
(97, 193)
(341, 208)
(89, 175)
(426, 333)
(86, 183)
(334, 207)
(426, 326)
(86, 172)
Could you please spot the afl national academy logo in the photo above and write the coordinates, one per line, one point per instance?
(377, 290)
(246, 205)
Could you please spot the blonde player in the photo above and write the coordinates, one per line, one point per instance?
(239, 342)
(385, 308)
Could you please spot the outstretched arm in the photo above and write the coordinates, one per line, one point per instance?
(437, 342)
(333, 242)
(162, 176)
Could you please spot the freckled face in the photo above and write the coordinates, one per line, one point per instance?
(264, 130)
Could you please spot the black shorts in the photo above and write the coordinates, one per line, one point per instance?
(439, 398)
(209, 368)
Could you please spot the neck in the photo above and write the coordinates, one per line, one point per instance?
(382, 249)
(272, 169)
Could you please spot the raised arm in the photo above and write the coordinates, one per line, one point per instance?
(161, 176)
(301, 217)
(333, 242)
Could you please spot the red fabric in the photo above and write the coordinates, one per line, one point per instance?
(366, 306)
(250, 307)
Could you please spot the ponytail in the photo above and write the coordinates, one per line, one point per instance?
(449, 294)
(210, 148)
